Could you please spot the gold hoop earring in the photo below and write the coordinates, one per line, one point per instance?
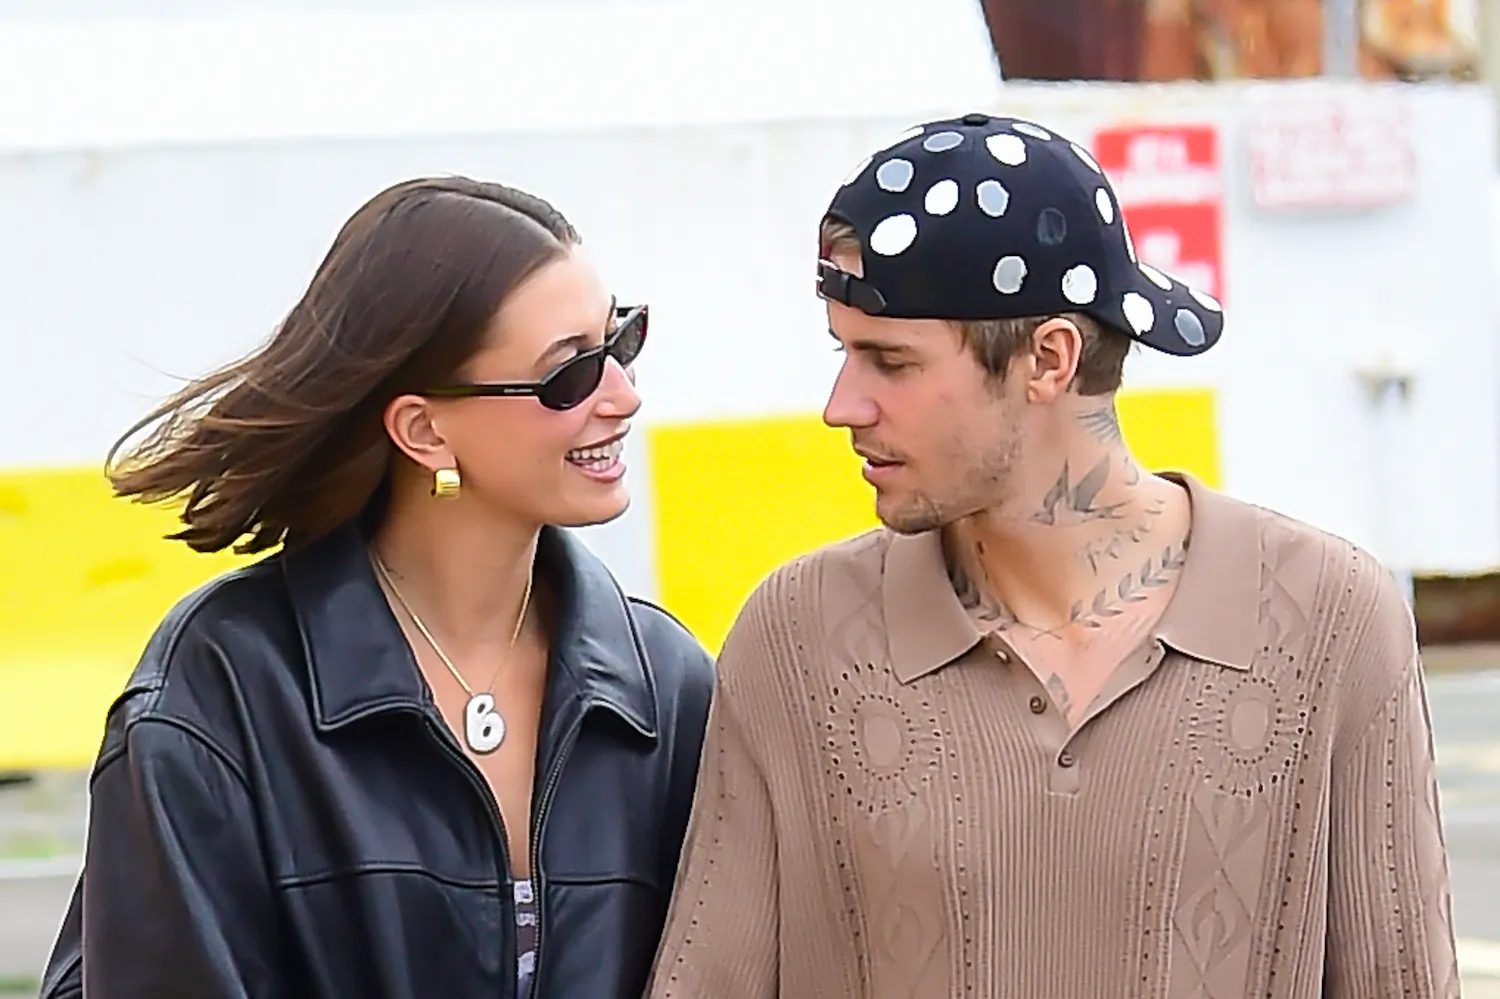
(446, 483)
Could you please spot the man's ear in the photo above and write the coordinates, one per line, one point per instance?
(1055, 348)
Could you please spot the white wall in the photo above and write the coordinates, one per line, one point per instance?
(250, 74)
(143, 254)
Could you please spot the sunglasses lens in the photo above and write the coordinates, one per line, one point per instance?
(574, 382)
(628, 347)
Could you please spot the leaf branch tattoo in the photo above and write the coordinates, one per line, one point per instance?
(1132, 588)
(987, 610)
(1067, 504)
(1110, 602)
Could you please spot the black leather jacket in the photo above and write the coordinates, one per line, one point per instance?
(279, 811)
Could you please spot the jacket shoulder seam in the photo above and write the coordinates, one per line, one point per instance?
(174, 629)
(192, 731)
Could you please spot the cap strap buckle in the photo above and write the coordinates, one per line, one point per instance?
(840, 286)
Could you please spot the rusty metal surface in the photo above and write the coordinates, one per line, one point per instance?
(1458, 610)
(1135, 40)
(1066, 39)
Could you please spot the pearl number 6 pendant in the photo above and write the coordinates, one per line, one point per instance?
(484, 729)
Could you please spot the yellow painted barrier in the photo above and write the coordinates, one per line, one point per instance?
(732, 499)
(85, 578)
(1174, 430)
(735, 498)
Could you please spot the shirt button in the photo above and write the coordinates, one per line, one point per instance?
(1066, 759)
(1002, 655)
(1038, 705)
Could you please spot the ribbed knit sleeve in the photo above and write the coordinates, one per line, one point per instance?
(722, 934)
(1389, 921)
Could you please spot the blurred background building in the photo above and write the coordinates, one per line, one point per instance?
(1160, 40)
(171, 171)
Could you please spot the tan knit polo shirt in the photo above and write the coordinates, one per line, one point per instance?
(891, 807)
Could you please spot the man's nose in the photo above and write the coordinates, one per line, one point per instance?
(847, 406)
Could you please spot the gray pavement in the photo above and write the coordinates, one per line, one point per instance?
(1466, 724)
(41, 828)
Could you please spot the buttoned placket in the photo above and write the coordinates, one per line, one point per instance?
(1057, 740)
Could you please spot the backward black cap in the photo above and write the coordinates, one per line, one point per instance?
(984, 217)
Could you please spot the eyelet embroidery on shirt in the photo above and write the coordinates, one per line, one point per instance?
(1242, 737)
(1249, 729)
(1246, 738)
(884, 738)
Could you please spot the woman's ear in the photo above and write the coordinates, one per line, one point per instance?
(412, 426)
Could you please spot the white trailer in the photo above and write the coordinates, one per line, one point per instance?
(167, 188)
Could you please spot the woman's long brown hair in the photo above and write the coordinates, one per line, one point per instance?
(287, 443)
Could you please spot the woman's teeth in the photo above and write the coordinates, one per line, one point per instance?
(597, 458)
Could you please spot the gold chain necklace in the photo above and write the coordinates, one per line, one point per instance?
(484, 728)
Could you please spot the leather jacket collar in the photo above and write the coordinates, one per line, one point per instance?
(361, 665)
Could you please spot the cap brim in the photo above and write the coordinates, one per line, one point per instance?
(1163, 313)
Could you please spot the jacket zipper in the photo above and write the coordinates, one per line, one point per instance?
(538, 877)
(507, 896)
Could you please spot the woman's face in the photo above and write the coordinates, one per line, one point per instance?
(516, 455)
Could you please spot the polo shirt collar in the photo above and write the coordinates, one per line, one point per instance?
(926, 625)
(1213, 615)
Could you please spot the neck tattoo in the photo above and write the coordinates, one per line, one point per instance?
(1112, 599)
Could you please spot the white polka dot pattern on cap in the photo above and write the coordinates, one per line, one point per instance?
(893, 235)
(941, 198)
(1051, 227)
(1190, 328)
(894, 175)
(1138, 312)
(858, 170)
(1207, 301)
(1105, 205)
(1059, 238)
(1035, 131)
(1007, 149)
(993, 198)
(941, 142)
(1156, 277)
(1080, 285)
(1088, 161)
(1009, 275)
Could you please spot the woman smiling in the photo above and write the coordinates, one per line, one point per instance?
(428, 747)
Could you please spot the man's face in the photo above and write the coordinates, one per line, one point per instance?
(939, 436)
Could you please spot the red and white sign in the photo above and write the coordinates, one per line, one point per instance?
(1170, 187)
(1339, 149)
